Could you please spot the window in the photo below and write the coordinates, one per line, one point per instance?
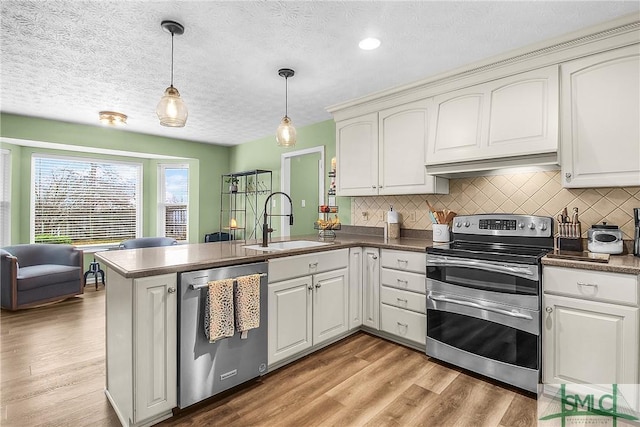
(5, 198)
(173, 201)
(85, 202)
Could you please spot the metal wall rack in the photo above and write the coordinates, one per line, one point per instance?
(242, 206)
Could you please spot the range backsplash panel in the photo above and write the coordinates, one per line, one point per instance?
(538, 193)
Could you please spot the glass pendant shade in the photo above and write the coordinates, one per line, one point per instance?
(171, 110)
(286, 133)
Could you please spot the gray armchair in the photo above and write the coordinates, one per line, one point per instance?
(147, 242)
(38, 273)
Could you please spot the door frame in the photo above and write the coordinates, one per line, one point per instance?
(285, 182)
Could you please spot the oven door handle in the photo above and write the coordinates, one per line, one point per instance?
(481, 307)
(478, 264)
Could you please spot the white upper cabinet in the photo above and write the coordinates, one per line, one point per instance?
(385, 152)
(509, 117)
(600, 119)
(403, 132)
(357, 156)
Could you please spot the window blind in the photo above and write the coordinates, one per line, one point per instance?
(84, 202)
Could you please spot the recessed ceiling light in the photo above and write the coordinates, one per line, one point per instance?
(369, 43)
(112, 118)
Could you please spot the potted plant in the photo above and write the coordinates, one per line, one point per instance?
(233, 184)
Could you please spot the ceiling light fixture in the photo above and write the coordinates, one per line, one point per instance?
(171, 109)
(112, 118)
(369, 43)
(286, 133)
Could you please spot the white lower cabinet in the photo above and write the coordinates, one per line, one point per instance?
(309, 310)
(290, 318)
(355, 288)
(590, 329)
(402, 295)
(371, 288)
(141, 329)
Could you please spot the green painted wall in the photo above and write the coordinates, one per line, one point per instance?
(304, 186)
(264, 153)
(207, 163)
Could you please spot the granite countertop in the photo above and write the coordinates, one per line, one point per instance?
(628, 264)
(135, 263)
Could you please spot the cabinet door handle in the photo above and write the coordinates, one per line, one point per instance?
(402, 300)
(567, 175)
(310, 287)
(404, 325)
(313, 265)
(171, 290)
(318, 285)
(403, 282)
(549, 309)
(375, 257)
(404, 261)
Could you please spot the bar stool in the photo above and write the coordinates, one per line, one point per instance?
(95, 270)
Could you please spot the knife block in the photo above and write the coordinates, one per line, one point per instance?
(570, 244)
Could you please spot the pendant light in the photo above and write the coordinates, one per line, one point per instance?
(286, 133)
(171, 110)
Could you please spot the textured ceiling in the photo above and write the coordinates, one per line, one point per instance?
(67, 60)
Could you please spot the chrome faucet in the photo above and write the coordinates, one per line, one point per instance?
(265, 226)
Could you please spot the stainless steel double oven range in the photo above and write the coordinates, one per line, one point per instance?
(484, 296)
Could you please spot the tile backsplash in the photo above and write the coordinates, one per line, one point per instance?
(538, 193)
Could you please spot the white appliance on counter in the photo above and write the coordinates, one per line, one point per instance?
(206, 369)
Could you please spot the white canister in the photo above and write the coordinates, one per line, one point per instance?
(441, 233)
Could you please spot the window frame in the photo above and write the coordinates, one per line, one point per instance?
(162, 206)
(5, 196)
(85, 159)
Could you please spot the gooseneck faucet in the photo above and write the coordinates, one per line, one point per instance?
(265, 226)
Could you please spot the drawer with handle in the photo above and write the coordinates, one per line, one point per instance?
(302, 265)
(589, 284)
(403, 299)
(402, 260)
(406, 281)
(403, 323)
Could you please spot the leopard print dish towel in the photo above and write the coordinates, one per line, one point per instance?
(247, 298)
(219, 313)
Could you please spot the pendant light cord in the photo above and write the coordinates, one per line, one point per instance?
(286, 96)
(171, 58)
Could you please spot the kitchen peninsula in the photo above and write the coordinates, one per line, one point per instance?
(142, 305)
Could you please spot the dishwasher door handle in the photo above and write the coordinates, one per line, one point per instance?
(206, 285)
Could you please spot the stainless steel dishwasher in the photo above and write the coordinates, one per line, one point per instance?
(204, 368)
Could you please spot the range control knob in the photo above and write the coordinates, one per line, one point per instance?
(532, 226)
(521, 225)
(543, 226)
(458, 224)
(467, 223)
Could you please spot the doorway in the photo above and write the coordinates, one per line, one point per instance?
(302, 177)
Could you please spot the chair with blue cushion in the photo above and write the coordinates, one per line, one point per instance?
(33, 274)
(147, 242)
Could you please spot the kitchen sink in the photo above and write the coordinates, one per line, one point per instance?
(283, 246)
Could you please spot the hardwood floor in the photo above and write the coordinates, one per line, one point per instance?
(52, 370)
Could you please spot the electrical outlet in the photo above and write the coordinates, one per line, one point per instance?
(381, 216)
(365, 216)
(303, 203)
(411, 217)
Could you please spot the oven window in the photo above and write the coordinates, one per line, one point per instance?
(484, 280)
(483, 338)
